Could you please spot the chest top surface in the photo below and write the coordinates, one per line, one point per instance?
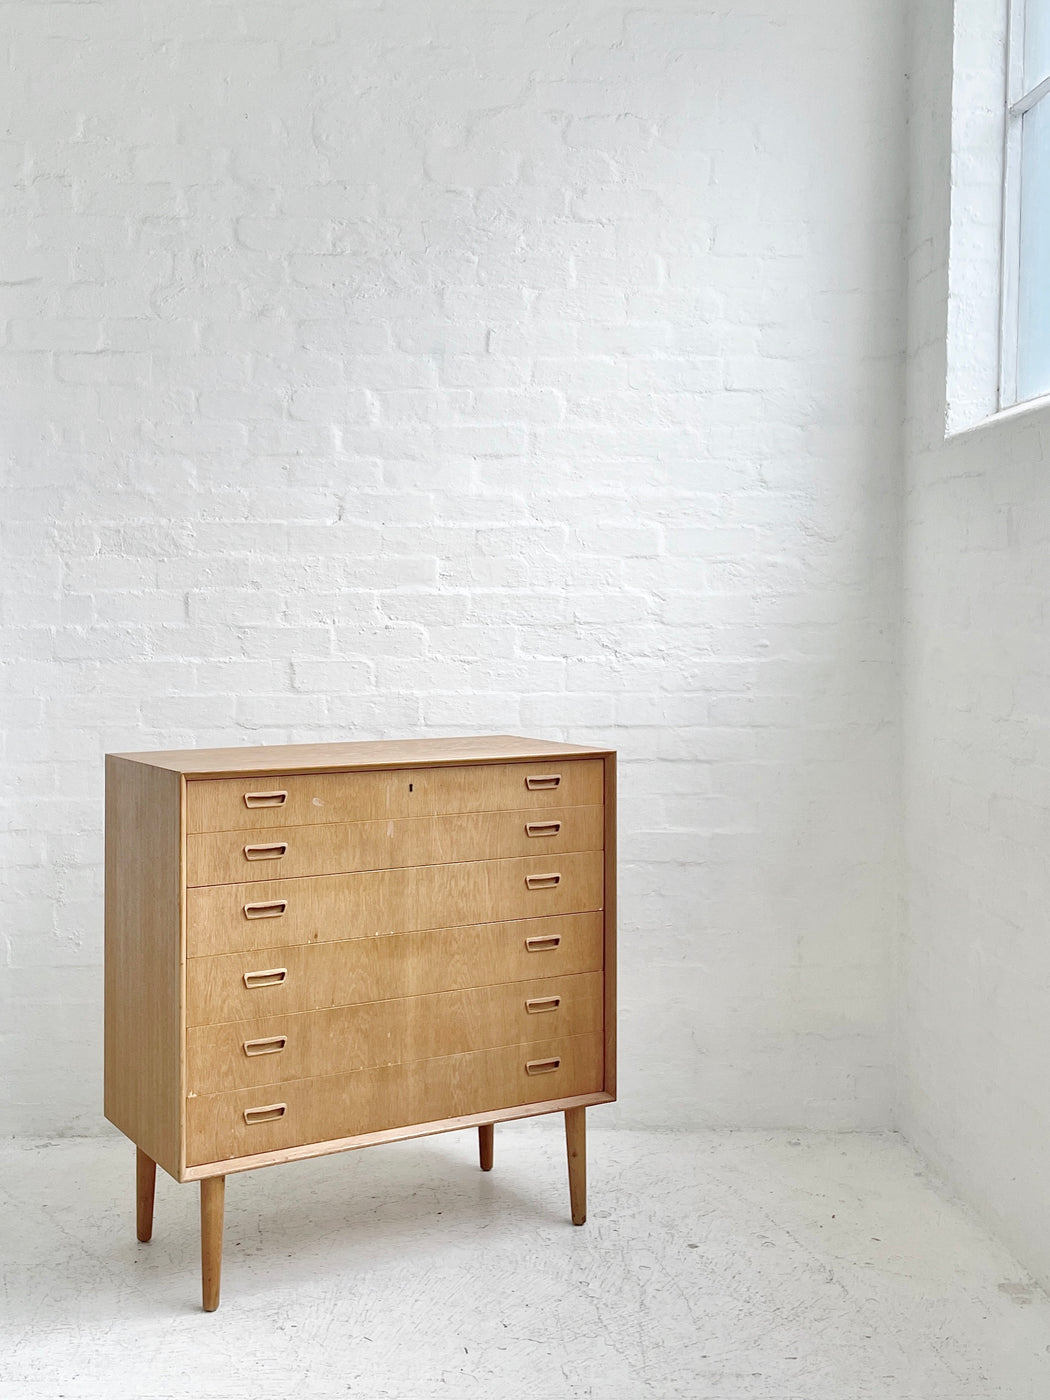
(357, 755)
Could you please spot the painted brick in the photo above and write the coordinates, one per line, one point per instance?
(383, 368)
(976, 691)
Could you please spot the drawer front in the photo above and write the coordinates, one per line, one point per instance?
(279, 853)
(324, 908)
(274, 1049)
(237, 804)
(246, 1121)
(285, 981)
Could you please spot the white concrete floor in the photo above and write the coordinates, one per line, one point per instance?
(714, 1266)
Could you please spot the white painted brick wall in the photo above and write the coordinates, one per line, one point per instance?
(976, 706)
(395, 368)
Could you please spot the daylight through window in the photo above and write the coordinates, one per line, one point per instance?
(1025, 370)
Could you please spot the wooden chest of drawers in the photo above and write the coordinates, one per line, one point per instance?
(318, 947)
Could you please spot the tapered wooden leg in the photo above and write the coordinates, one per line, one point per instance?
(213, 1197)
(576, 1147)
(485, 1136)
(145, 1185)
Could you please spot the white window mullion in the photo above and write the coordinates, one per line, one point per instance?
(1011, 233)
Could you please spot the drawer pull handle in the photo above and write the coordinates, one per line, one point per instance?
(274, 851)
(268, 909)
(542, 1004)
(542, 1066)
(266, 1114)
(543, 882)
(270, 1046)
(269, 978)
(545, 943)
(542, 828)
(542, 781)
(265, 799)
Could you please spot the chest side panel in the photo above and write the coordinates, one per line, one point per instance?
(143, 960)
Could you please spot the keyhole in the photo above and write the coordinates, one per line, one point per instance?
(410, 787)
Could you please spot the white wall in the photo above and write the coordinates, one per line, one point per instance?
(977, 737)
(393, 368)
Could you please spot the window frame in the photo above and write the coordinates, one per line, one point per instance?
(1019, 100)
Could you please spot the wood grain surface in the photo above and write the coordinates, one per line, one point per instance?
(274, 1049)
(389, 1097)
(376, 902)
(318, 975)
(282, 852)
(288, 799)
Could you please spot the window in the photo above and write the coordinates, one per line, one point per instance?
(1025, 340)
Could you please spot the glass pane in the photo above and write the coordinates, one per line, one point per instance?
(1036, 42)
(1033, 284)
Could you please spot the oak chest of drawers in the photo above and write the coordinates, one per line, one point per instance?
(314, 948)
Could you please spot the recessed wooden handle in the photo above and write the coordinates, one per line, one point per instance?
(542, 1066)
(268, 909)
(539, 781)
(266, 1114)
(542, 1004)
(545, 943)
(273, 850)
(270, 1046)
(543, 882)
(542, 828)
(265, 799)
(270, 977)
